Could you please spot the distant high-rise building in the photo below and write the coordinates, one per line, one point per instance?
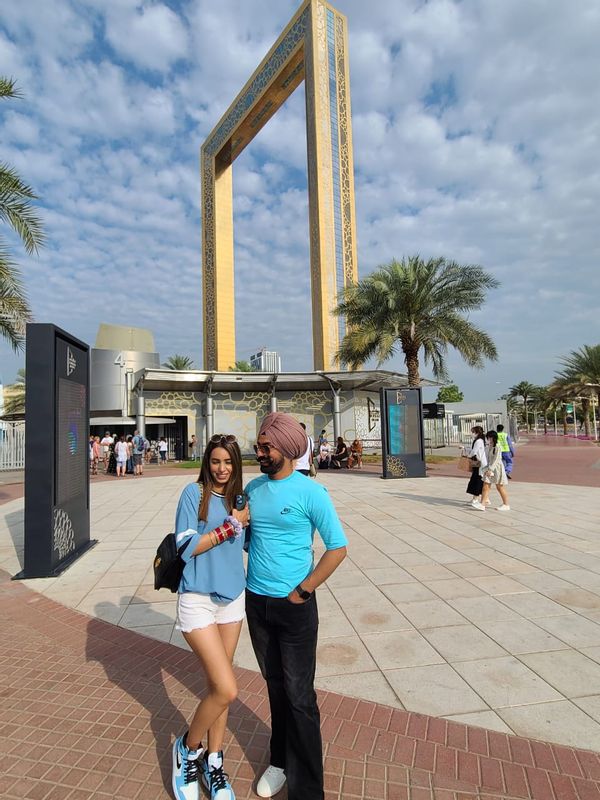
(266, 361)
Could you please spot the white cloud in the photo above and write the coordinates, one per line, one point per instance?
(150, 35)
(476, 136)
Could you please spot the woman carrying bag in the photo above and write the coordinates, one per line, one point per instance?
(478, 459)
(210, 611)
(493, 473)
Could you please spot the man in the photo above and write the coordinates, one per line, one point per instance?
(304, 462)
(139, 446)
(507, 449)
(106, 444)
(194, 448)
(281, 606)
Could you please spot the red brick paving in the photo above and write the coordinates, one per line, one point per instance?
(89, 710)
(546, 459)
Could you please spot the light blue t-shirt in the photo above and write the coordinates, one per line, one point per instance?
(219, 571)
(283, 517)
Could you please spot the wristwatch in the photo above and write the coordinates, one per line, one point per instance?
(303, 593)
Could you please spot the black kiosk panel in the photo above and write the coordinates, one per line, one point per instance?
(57, 495)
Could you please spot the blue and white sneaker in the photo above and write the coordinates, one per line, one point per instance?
(186, 770)
(215, 779)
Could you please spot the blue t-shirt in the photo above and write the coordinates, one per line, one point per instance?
(219, 571)
(283, 517)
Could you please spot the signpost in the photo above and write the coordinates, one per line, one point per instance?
(57, 491)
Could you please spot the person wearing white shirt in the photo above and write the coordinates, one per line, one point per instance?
(479, 459)
(121, 454)
(303, 463)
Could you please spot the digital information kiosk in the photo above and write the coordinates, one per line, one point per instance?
(57, 489)
(403, 453)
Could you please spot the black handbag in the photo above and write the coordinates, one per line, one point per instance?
(168, 564)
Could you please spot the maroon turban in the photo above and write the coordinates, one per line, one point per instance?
(285, 433)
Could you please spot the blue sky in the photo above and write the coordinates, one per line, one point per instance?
(476, 136)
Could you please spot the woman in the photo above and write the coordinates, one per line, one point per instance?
(97, 454)
(324, 454)
(493, 473)
(130, 470)
(121, 454)
(356, 451)
(478, 459)
(210, 610)
(112, 458)
(340, 458)
(162, 449)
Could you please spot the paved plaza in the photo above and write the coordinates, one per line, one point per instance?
(491, 619)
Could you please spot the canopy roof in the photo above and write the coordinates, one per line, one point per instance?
(168, 380)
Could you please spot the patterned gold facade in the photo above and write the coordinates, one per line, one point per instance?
(313, 48)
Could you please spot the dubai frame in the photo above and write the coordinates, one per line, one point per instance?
(313, 47)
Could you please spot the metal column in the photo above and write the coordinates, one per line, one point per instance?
(209, 418)
(140, 420)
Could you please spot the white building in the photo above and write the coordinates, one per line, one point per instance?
(266, 361)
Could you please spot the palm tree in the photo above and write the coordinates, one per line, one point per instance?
(416, 305)
(241, 366)
(16, 210)
(178, 362)
(525, 390)
(15, 403)
(562, 393)
(581, 371)
(544, 402)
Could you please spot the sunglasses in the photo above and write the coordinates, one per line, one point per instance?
(263, 448)
(221, 438)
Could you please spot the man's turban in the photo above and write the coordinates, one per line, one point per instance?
(285, 433)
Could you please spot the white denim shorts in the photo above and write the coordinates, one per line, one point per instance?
(200, 610)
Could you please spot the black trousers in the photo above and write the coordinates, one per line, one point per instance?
(284, 638)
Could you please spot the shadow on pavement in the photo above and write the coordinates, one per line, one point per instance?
(141, 674)
(14, 522)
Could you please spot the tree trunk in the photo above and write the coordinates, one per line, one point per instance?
(411, 359)
(585, 407)
(564, 421)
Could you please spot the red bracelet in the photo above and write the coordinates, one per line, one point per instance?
(224, 532)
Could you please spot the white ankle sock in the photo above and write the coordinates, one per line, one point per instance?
(215, 760)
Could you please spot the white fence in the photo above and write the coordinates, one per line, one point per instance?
(455, 429)
(12, 445)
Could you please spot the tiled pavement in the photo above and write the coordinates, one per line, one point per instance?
(487, 619)
(89, 710)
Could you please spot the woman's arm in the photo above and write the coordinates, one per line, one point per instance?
(222, 532)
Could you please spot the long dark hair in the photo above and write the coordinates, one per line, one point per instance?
(494, 437)
(478, 431)
(234, 484)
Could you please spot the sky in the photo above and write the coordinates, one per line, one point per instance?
(476, 137)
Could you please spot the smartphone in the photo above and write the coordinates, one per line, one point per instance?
(240, 501)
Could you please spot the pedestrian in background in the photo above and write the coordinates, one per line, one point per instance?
(162, 449)
(303, 463)
(478, 459)
(507, 448)
(493, 474)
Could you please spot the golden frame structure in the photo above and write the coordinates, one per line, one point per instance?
(313, 47)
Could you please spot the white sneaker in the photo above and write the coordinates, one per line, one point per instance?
(478, 506)
(503, 507)
(271, 781)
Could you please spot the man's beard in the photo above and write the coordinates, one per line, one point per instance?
(269, 466)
